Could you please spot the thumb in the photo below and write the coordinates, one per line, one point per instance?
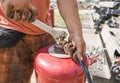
(33, 12)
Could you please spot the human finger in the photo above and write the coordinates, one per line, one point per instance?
(33, 12)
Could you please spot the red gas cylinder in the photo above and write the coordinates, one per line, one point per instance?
(51, 69)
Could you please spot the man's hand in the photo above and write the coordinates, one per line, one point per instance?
(20, 10)
(76, 48)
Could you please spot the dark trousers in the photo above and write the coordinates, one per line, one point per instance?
(16, 63)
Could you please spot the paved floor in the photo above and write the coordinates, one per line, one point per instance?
(33, 79)
(98, 76)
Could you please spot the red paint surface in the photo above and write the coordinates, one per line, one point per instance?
(50, 18)
(55, 70)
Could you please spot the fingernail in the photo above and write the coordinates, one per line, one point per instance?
(81, 58)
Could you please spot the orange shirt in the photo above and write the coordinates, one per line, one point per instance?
(28, 28)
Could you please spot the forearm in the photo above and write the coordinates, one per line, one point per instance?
(69, 11)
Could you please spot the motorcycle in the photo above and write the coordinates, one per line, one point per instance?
(108, 15)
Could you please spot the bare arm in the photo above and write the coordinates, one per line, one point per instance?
(69, 12)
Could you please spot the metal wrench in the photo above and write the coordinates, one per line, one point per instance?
(58, 35)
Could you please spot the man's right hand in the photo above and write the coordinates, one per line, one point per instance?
(20, 10)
